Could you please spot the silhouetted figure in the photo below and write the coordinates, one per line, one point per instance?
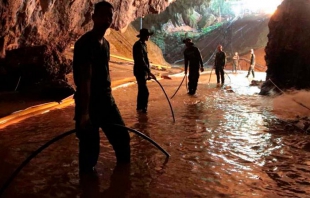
(219, 64)
(193, 61)
(141, 69)
(235, 62)
(94, 104)
(252, 64)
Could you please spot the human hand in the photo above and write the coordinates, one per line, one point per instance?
(202, 69)
(151, 76)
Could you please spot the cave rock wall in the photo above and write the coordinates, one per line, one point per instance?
(288, 47)
(54, 25)
(27, 23)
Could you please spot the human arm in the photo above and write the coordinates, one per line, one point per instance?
(224, 59)
(85, 94)
(185, 62)
(215, 61)
(200, 60)
(82, 78)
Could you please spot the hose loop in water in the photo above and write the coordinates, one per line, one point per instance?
(39, 150)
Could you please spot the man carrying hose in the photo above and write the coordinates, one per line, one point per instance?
(141, 69)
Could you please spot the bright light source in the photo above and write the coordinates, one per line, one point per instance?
(263, 6)
(254, 6)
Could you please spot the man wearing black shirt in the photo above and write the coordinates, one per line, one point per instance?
(193, 61)
(141, 69)
(94, 104)
(219, 64)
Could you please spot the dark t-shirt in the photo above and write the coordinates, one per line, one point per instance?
(220, 59)
(193, 56)
(89, 51)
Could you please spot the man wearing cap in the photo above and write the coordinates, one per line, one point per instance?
(141, 69)
(219, 64)
(193, 60)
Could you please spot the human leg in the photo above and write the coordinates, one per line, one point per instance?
(143, 94)
(191, 84)
(252, 70)
(233, 67)
(222, 75)
(194, 76)
(217, 72)
(117, 136)
(188, 84)
(249, 71)
(89, 148)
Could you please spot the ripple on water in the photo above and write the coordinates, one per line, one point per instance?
(223, 144)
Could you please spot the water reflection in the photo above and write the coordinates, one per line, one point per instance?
(120, 184)
(223, 144)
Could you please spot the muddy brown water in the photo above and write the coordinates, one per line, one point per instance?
(226, 142)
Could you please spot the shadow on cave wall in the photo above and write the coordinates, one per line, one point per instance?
(37, 69)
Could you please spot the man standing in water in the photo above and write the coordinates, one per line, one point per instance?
(141, 69)
(192, 57)
(94, 104)
(219, 64)
(235, 62)
(252, 64)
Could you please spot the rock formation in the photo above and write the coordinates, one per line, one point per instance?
(288, 47)
(36, 33)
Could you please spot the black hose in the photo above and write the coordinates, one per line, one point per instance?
(178, 87)
(145, 137)
(227, 76)
(210, 75)
(167, 98)
(17, 83)
(35, 153)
